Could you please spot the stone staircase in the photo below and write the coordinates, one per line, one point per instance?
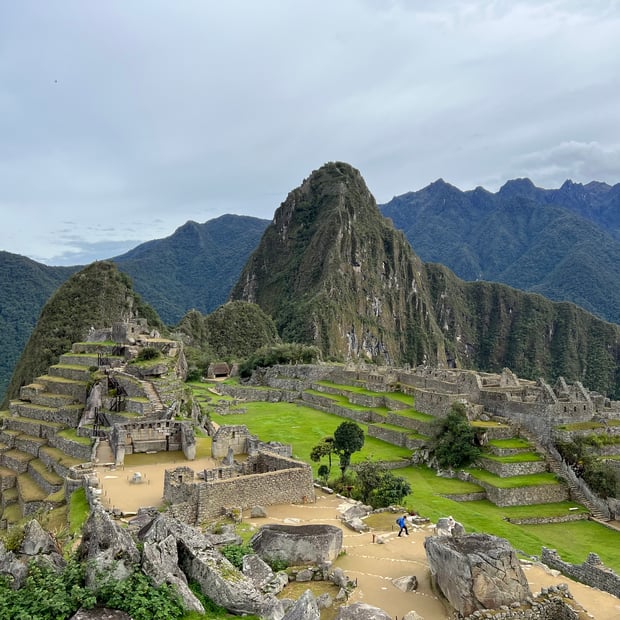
(556, 467)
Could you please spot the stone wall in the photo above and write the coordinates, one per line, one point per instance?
(283, 481)
(592, 572)
(395, 437)
(524, 496)
(505, 470)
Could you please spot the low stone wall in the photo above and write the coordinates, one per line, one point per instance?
(581, 516)
(506, 470)
(592, 572)
(424, 428)
(525, 496)
(466, 497)
(258, 394)
(68, 415)
(396, 438)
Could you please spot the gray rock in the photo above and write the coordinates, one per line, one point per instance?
(304, 575)
(36, 540)
(258, 512)
(337, 577)
(160, 563)
(476, 571)
(357, 512)
(412, 615)
(362, 611)
(458, 529)
(257, 570)
(305, 608)
(298, 544)
(355, 524)
(324, 601)
(100, 613)
(225, 585)
(107, 548)
(13, 567)
(407, 583)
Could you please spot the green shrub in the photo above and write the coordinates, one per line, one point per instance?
(148, 353)
(234, 554)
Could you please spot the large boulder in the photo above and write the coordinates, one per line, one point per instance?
(298, 544)
(107, 549)
(160, 561)
(305, 608)
(476, 571)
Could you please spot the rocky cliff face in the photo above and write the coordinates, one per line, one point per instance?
(334, 273)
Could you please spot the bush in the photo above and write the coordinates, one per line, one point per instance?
(148, 353)
(234, 554)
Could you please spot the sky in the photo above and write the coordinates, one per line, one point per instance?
(121, 120)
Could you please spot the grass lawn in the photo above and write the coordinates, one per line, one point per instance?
(304, 428)
(513, 482)
(515, 443)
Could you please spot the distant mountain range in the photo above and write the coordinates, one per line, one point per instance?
(561, 243)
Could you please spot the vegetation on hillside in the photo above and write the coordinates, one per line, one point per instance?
(454, 444)
(98, 295)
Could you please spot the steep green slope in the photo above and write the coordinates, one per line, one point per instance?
(98, 295)
(25, 286)
(193, 268)
(544, 241)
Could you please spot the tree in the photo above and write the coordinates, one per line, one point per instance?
(348, 438)
(454, 442)
(325, 448)
(378, 486)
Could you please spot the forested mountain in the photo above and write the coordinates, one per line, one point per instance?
(334, 273)
(25, 286)
(195, 267)
(97, 295)
(563, 244)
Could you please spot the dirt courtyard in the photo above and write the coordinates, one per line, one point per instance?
(373, 565)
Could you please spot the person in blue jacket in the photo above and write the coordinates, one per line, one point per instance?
(402, 522)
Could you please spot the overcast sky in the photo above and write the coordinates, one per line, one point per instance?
(121, 120)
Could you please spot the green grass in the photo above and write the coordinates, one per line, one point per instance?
(304, 428)
(71, 435)
(78, 510)
(514, 482)
(509, 444)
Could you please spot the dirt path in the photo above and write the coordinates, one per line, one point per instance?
(373, 565)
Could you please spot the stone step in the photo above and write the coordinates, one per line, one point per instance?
(58, 385)
(68, 415)
(31, 496)
(45, 477)
(30, 444)
(106, 348)
(56, 459)
(72, 372)
(16, 425)
(8, 435)
(68, 442)
(8, 478)
(39, 396)
(16, 460)
(10, 496)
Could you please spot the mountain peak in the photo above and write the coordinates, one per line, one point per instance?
(518, 187)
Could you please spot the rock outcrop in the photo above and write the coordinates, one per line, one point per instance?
(298, 544)
(362, 611)
(476, 571)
